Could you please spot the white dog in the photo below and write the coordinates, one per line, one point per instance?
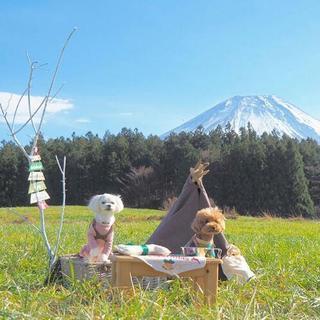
(100, 233)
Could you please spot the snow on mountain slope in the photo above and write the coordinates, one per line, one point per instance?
(265, 113)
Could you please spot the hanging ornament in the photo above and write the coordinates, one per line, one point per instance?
(35, 166)
(35, 150)
(36, 186)
(39, 196)
(42, 205)
(35, 158)
(36, 176)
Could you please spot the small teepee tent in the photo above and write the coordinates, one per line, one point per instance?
(175, 229)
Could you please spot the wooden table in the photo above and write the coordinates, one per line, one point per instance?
(204, 279)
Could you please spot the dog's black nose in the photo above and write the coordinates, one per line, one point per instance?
(108, 206)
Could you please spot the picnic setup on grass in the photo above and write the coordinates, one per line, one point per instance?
(189, 242)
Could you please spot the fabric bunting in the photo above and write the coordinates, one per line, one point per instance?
(36, 186)
(36, 176)
(42, 205)
(39, 196)
(35, 158)
(35, 166)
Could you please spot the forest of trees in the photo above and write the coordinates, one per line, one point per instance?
(253, 174)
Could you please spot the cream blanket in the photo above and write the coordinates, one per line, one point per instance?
(173, 264)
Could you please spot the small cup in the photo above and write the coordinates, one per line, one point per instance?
(195, 251)
(202, 252)
(189, 251)
(214, 253)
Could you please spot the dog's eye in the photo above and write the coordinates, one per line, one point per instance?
(103, 202)
(112, 202)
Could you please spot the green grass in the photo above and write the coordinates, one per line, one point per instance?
(285, 254)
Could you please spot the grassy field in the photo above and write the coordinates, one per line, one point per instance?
(285, 254)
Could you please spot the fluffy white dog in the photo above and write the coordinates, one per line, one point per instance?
(100, 233)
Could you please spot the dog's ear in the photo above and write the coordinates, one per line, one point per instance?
(223, 225)
(195, 225)
(223, 217)
(94, 203)
(119, 203)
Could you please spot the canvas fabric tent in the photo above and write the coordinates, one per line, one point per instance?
(175, 230)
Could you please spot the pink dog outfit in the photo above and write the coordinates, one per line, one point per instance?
(99, 236)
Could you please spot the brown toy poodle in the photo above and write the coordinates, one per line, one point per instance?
(207, 223)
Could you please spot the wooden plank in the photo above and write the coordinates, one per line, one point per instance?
(113, 273)
(139, 269)
(199, 283)
(211, 284)
(131, 258)
(123, 274)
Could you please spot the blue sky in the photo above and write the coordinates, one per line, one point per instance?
(156, 64)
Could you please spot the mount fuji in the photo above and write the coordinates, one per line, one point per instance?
(265, 114)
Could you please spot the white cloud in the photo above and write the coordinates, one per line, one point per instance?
(56, 105)
(82, 120)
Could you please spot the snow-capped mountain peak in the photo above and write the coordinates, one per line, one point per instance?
(265, 114)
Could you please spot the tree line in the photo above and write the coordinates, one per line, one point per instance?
(253, 174)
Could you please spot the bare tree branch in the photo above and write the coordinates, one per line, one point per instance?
(33, 114)
(4, 114)
(17, 107)
(9, 102)
(46, 99)
(11, 210)
(63, 173)
(32, 67)
(57, 92)
(44, 235)
(52, 254)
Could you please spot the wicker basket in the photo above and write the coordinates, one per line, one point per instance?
(74, 267)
